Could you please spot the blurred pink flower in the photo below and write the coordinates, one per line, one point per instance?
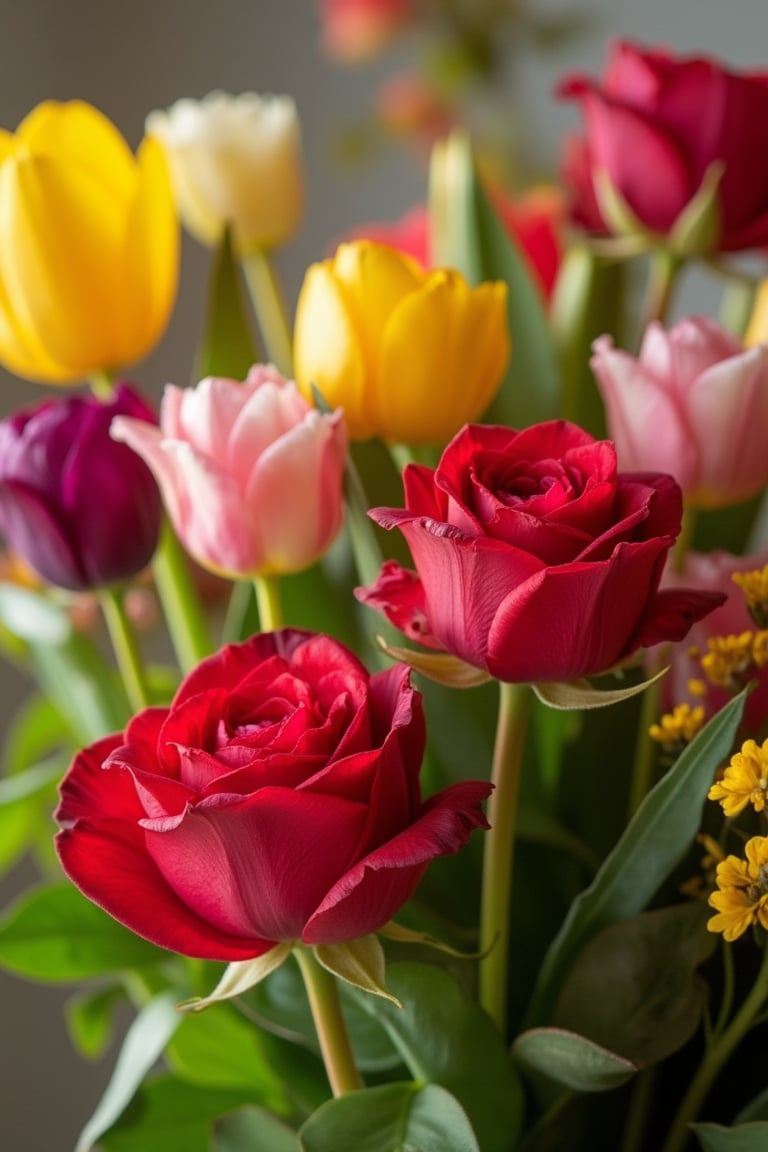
(250, 473)
(356, 30)
(409, 106)
(694, 403)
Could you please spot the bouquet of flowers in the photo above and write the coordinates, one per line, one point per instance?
(442, 827)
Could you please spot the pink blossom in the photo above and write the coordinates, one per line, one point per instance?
(695, 403)
(356, 30)
(250, 473)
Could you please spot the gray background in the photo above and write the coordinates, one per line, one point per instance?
(131, 57)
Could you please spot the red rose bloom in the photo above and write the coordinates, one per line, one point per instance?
(655, 125)
(276, 799)
(535, 560)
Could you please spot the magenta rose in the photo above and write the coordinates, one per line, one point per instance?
(655, 125)
(276, 799)
(535, 559)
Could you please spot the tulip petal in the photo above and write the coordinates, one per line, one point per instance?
(39, 536)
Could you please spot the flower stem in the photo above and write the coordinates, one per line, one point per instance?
(323, 996)
(662, 279)
(183, 611)
(715, 1057)
(268, 602)
(126, 649)
(644, 767)
(498, 859)
(269, 304)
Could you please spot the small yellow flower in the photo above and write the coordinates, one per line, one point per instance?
(678, 728)
(732, 660)
(754, 585)
(742, 896)
(89, 243)
(410, 355)
(745, 780)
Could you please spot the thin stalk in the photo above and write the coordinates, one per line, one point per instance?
(125, 647)
(269, 304)
(101, 385)
(498, 859)
(268, 602)
(331, 1028)
(637, 1113)
(237, 610)
(714, 1059)
(663, 272)
(183, 611)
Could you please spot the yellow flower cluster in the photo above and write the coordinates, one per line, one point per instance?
(732, 660)
(745, 780)
(754, 585)
(678, 727)
(741, 899)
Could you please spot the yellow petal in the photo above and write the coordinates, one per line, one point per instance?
(443, 355)
(327, 350)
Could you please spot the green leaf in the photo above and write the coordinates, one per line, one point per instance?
(169, 1116)
(26, 802)
(253, 1130)
(227, 347)
(635, 987)
(571, 1060)
(742, 1138)
(90, 1020)
(82, 687)
(33, 616)
(445, 1038)
(757, 1109)
(35, 730)
(469, 236)
(144, 1043)
(54, 934)
(392, 1118)
(655, 840)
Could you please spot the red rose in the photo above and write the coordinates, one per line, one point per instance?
(535, 559)
(655, 125)
(276, 799)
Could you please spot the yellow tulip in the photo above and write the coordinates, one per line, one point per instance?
(410, 355)
(89, 245)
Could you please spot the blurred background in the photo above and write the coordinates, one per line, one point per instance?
(366, 129)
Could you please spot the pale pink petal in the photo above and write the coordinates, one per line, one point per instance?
(150, 443)
(272, 409)
(208, 413)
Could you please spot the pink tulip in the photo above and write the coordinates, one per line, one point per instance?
(250, 473)
(695, 404)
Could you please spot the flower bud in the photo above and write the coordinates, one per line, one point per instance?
(78, 508)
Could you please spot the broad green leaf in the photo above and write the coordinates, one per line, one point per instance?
(34, 731)
(655, 840)
(392, 1118)
(635, 987)
(90, 1020)
(468, 235)
(445, 1038)
(54, 934)
(82, 687)
(227, 347)
(26, 802)
(742, 1138)
(167, 1115)
(144, 1043)
(571, 1060)
(253, 1130)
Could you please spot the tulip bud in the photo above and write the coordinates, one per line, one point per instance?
(88, 245)
(235, 160)
(410, 355)
(79, 509)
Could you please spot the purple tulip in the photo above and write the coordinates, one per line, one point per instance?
(80, 509)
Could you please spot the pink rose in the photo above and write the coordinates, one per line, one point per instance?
(250, 473)
(655, 125)
(695, 403)
(535, 559)
(275, 800)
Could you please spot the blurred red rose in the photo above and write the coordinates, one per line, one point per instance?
(276, 799)
(535, 559)
(654, 126)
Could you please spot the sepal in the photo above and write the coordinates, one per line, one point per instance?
(441, 667)
(576, 695)
(359, 962)
(239, 977)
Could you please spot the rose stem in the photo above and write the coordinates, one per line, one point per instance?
(498, 858)
(716, 1055)
(663, 271)
(268, 602)
(126, 649)
(269, 305)
(182, 609)
(323, 996)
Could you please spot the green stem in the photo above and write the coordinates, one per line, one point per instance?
(644, 767)
(663, 271)
(637, 1113)
(237, 611)
(101, 385)
(715, 1057)
(126, 649)
(268, 602)
(323, 996)
(498, 859)
(269, 304)
(183, 611)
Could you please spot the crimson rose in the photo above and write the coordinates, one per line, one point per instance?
(276, 799)
(535, 560)
(655, 125)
